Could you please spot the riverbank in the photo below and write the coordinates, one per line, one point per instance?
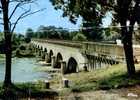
(24, 91)
(102, 82)
(111, 83)
(25, 50)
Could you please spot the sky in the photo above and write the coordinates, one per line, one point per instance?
(47, 17)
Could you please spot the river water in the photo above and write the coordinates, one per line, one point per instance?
(23, 70)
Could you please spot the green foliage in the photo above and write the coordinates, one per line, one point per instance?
(83, 87)
(29, 33)
(72, 34)
(22, 47)
(51, 32)
(25, 50)
(27, 40)
(111, 34)
(23, 91)
(92, 29)
(109, 78)
(17, 39)
(90, 10)
(32, 86)
(79, 37)
(1, 36)
(87, 9)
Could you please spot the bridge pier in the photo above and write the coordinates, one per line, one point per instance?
(53, 61)
(97, 62)
(43, 55)
(36, 50)
(39, 53)
(46, 57)
(63, 67)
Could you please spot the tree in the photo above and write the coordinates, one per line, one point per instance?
(92, 30)
(127, 11)
(51, 32)
(124, 11)
(73, 34)
(79, 37)
(89, 10)
(7, 14)
(29, 33)
(111, 33)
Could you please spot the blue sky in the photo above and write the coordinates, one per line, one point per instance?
(47, 17)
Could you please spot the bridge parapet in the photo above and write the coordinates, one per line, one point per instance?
(61, 42)
(111, 51)
(78, 55)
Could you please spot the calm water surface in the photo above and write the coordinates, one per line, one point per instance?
(23, 70)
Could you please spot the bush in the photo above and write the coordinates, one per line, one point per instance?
(22, 47)
(79, 37)
(27, 40)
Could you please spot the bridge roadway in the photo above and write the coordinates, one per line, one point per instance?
(75, 56)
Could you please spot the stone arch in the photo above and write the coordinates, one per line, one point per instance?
(50, 56)
(72, 65)
(41, 48)
(59, 58)
(45, 49)
(38, 46)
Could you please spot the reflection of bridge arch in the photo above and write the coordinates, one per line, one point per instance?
(72, 65)
(59, 58)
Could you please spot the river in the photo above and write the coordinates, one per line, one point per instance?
(23, 70)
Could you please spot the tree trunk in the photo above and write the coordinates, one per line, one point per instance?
(8, 49)
(128, 50)
(8, 54)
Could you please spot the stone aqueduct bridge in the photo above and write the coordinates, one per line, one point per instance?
(75, 56)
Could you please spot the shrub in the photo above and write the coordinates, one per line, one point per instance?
(79, 37)
(22, 47)
(27, 40)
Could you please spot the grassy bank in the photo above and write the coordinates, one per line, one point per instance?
(113, 77)
(27, 90)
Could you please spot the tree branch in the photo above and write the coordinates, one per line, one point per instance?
(23, 15)
(33, 13)
(20, 3)
(2, 23)
(20, 17)
(23, 1)
(14, 10)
